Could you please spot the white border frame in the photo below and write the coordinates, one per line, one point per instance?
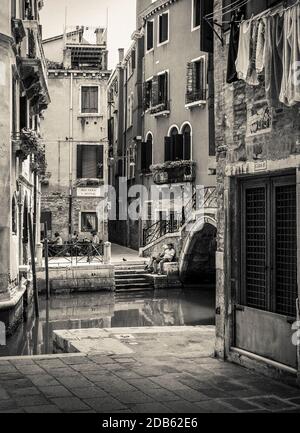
(159, 44)
(146, 36)
(87, 211)
(172, 127)
(193, 29)
(187, 123)
(98, 114)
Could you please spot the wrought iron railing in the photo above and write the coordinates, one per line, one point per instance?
(80, 251)
(196, 96)
(202, 200)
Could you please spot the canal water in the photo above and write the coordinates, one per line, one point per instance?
(178, 307)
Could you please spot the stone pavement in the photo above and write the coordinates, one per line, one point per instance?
(166, 371)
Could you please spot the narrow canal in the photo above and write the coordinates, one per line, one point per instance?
(178, 307)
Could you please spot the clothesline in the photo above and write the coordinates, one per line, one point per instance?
(231, 8)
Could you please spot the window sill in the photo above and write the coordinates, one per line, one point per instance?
(150, 51)
(195, 28)
(164, 113)
(163, 43)
(195, 104)
(86, 115)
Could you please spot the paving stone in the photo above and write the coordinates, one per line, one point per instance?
(3, 394)
(75, 360)
(62, 372)
(190, 394)
(69, 404)
(100, 359)
(114, 367)
(16, 383)
(125, 360)
(167, 383)
(182, 406)
(214, 392)
(29, 391)
(88, 367)
(50, 363)
(271, 403)
(49, 408)
(7, 405)
(22, 361)
(133, 397)
(105, 404)
(75, 382)
(55, 391)
(150, 408)
(143, 384)
(150, 371)
(161, 394)
(7, 368)
(295, 400)
(95, 376)
(4, 377)
(44, 380)
(34, 400)
(90, 392)
(13, 411)
(240, 404)
(127, 374)
(213, 406)
(30, 369)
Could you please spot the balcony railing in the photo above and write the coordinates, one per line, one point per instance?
(174, 172)
(202, 201)
(161, 108)
(199, 96)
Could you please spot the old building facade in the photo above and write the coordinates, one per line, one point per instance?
(168, 126)
(24, 95)
(75, 130)
(257, 140)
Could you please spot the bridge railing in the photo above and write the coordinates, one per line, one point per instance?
(80, 251)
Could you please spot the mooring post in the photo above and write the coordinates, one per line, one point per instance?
(32, 253)
(46, 263)
(107, 253)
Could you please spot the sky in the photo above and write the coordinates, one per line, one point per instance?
(93, 13)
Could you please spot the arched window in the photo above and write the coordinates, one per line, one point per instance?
(14, 225)
(186, 134)
(174, 146)
(146, 153)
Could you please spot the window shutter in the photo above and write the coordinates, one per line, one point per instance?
(133, 59)
(168, 150)
(189, 78)
(148, 155)
(99, 159)
(187, 147)
(155, 91)
(79, 161)
(166, 88)
(143, 156)
(178, 140)
(206, 31)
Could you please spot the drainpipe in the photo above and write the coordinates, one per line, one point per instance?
(34, 207)
(71, 157)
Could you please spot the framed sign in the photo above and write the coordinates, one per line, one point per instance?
(259, 118)
(88, 192)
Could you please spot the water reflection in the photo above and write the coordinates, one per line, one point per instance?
(191, 306)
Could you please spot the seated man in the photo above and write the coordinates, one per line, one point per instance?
(168, 257)
(156, 260)
(58, 239)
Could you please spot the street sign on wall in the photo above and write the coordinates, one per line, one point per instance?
(88, 192)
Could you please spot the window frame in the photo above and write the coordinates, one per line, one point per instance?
(193, 27)
(94, 144)
(159, 44)
(80, 220)
(199, 101)
(81, 114)
(146, 38)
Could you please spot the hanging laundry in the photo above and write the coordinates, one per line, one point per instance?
(292, 89)
(233, 50)
(252, 78)
(261, 46)
(273, 57)
(243, 57)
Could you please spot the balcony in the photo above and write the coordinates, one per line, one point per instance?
(34, 67)
(28, 143)
(174, 172)
(160, 110)
(195, 98)
(18, 30)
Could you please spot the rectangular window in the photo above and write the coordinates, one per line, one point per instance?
(195, 13)
(196, 85)
(89, 222)
(89, 100)
(147, 95)
(130, 111)
(89, 161)
(269, 245)
(163, 28)
(150, 35)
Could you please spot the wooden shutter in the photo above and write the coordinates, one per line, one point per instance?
(149, 35)
(166, 88)
(189, 79)
(178, 148)
(148, 154)
(143, 156)
(168, 149)
(99, 159)
(206, 31)
(155, 91)
(79, 161)
(187, 147)
(133, 59)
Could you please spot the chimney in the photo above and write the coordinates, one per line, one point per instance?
(101, 36)
(121, 54)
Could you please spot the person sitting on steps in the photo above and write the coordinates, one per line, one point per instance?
(154, 259)
(168, 257)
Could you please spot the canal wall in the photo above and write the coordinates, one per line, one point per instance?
(83, 278)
